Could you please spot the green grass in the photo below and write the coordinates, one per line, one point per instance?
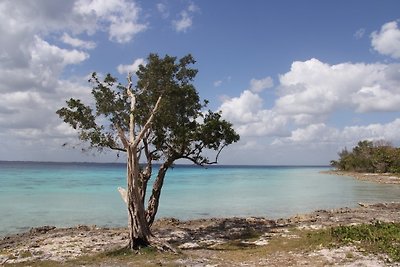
(376, 238)
(379, 237)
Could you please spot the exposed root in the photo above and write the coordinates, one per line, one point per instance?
(156, 243)
(162, 245)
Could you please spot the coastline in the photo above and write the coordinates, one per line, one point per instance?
(382, 178)
(199, 238)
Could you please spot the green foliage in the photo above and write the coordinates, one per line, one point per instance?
(379, 237)
(180, 128)
(378, 157)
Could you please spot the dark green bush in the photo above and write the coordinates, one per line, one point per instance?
(378, 157)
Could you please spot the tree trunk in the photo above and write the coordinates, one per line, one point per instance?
(152, 206)
(139, 230)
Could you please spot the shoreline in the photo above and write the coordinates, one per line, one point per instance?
(381, 178)
(193, 236)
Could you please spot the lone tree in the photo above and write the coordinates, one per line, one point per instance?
(160, 120)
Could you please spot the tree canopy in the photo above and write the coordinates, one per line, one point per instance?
(180, 127)
(368, 156)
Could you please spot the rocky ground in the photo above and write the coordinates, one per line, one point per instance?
(382, 178)
(200, 242)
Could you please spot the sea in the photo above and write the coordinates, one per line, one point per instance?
(34, 194)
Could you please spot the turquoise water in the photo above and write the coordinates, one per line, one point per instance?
(67, 194)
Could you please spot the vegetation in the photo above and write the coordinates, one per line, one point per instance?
(161, 120)
(372, 157)
(379, 238)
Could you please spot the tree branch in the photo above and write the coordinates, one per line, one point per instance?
(217, 156)
(117, 148)
(132, 110)
(148, 123)
(122, 136)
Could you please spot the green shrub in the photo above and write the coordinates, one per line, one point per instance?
(379, 237)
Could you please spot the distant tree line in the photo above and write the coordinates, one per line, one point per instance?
(371, 157)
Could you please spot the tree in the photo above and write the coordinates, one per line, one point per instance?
(160, 120)
(374, 157)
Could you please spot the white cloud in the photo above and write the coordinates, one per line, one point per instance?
(124, 69)
(309, 94)
(376, 131)
(349, 135)
(387, 40)
(76, 42)
(32, 66)
(224, 81)
(242, 109)
(257, 86)
(359, 33)
(185, 20)
(42, 52)
(312, 133)
(217, 83)
(76, 17)
(375, 98)
(193, 8)
(249, 118)
(163, 9)
(314, 88)
(121, 17)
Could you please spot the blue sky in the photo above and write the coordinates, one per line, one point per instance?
(300, 80)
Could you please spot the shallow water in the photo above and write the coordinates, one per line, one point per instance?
(67, 194)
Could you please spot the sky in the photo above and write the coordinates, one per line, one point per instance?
(299, 80)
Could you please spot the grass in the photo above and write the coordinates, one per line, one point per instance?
(376, 238)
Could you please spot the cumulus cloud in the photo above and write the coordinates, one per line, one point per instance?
(124, 69)
(42, 52)
(185, 19)
(308, 95)
(260, 85)
(387, 40)
(243, 108)
(41, 71)
(250, 119)
(121, 17)
(312, 133)
(321, 133)
(314, 88)
(376, 98)
(32, 66)
(76, 42)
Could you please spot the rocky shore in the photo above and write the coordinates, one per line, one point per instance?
(382, 178)
(199, 239)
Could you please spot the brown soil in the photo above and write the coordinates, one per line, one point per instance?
(200, 242)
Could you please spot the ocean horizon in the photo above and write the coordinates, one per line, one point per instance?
(66, 194)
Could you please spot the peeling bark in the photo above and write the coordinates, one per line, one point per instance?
(139, 230)
(152, 206)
